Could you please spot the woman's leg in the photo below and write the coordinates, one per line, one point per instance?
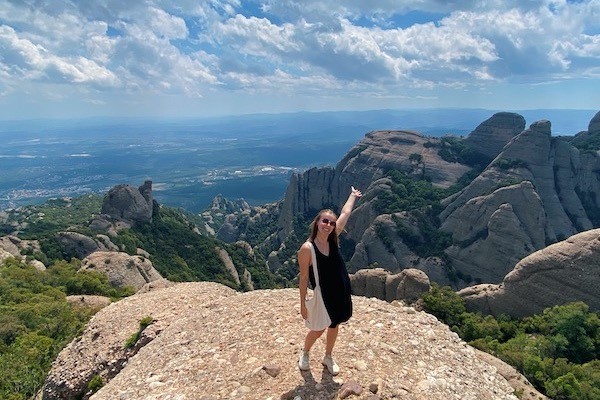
(328, 361)
(311, 338)
(332, 334)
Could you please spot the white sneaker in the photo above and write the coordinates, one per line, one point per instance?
(304, 361)
(331, 365)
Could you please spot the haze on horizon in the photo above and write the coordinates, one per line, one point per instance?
(167, 58)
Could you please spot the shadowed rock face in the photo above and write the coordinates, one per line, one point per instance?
(594, 126)
(563, 272)
(129, 203)
(408, 285)
(207, 341)
(490, 137)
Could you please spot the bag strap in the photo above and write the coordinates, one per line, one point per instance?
(314, 263)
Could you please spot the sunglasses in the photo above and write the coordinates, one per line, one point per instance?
(329, 222)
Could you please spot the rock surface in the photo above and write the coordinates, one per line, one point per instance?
(560, 273)
(194, 350)
(121, 268)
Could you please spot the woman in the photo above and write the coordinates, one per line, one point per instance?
(332, 278)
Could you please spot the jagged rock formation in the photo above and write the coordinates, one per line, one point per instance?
(525, 199)
(537, 190)
(246, 278)
(407, 285)
(367, 162)
(125, 202)
(193, 350)
(216, 213)
(121, 268)
(593, 130)
(560, 273)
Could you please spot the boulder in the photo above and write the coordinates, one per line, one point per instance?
(78, 245)
(594, 125)
(122, 269)
(413, 283)
(126, 202)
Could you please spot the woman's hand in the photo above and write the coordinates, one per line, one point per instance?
(355, 192)
(303, 311)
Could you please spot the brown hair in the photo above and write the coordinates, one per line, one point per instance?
(314, 229)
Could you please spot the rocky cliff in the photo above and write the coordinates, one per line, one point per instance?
(192, 349)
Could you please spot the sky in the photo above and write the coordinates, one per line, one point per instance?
(191, 58)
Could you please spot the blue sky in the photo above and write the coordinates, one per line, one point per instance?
(190, 58)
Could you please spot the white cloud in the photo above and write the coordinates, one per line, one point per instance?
(167, 25)
(197, 48)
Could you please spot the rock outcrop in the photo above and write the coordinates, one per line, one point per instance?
(74, 244)
(122, 269)
(490, 137)
(560, 273)
(207, 341)
(524, 200)
(407, 285)
(126, 202)
(14, 247)
(371, 159)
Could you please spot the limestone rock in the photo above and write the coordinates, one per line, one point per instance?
(15, 245)
(121, 268)
(563, 272)
(413, 284)
(273, 262)
(194, 348)
(381, 245)
(228, 262)
(125, 202)
(109, 225)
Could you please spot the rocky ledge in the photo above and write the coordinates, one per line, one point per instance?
(207, 341)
